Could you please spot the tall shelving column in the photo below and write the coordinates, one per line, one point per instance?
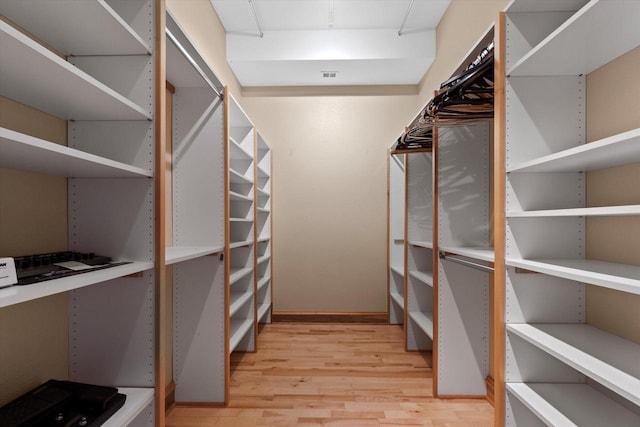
(197, 233)
(106, 92)
(240, 243)
(419, 251)
(396, 165)
(558, 369)
(263, 222)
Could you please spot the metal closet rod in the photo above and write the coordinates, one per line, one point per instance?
(193, 63)
(255, 16)
(465, 262)
(404, 21)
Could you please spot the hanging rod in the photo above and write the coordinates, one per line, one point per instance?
(406, 15)
(192, 61)
(255, 16)
(462, 261)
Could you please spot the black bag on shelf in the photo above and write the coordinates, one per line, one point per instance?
(62, 404)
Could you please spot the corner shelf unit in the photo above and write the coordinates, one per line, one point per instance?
(396, 236)
(419, 310)
(106, 92)
(196, 157)
(263, 222)
(240, 216)
(559, 370)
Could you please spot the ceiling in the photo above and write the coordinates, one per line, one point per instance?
(330, 42)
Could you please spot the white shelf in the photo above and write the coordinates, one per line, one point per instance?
(605, 358)
(595, 35)
(33, 75)
(263, 282)
(425, 277)
(238, 300)
(615, 150)
(263, 258)
(238, 178)
(236, 197)
(239, 329)
(235, 245)
(263, 309)
(572, 405)
(24, 152)
(241, 220)
(238, 273)
(262, 192)
(264, 210)
(424, 320)
(17, 294)
(597, 211)
(176, 254)
(84, 22)
(137, 400)
(421, 244)
(398, 270)
(262, 173)
(264, 239)
(482, 254)
(621, 277)
(237, 152)
(398, 299)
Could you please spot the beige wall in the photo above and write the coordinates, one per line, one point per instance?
(329, 159)
(613, 106)
(35, 222)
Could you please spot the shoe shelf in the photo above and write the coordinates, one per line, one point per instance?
(419, 252)
(237, 178)
(605, 358)
(396, 235)
(584, 42)
(263, 282)
(66, 92)
(397, 270)
(397, 298)
(264, 261)
(239, 331)
(237, 300)
(263, 311)
(424, 321)
(19, 294)
(571, 405)
(86, 23)
(24, 152)
(238, 273)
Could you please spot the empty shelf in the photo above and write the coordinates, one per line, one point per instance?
(238, 273)
(398, 299)
(263, 282)
(424, 320)
(24, 152)
(84, 25)
(239, 328)
(175, 254)
(263, 309)
(398, 270)
(263, 210)
(597, 211)
(238, 300)
(238, 178)
(237, 197)
(421, 244)
(33, 75)
(605, 358)
(241, 244)
(615, 150)
(572, 405)
(263, 258)
(237, 152)
(622, 277)
(586, 41)
(17, 294)
(425, 277)
(262, 193)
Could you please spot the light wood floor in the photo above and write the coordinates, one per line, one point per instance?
(333, 375)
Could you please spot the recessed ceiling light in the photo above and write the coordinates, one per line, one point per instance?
(329, 74)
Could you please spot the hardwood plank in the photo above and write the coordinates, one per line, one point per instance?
(333, 375)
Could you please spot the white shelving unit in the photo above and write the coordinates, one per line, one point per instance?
(241, 218)
(198, 197)
(419, 251)
(105, 89)
(558, 370)
(263, 221)
(396, 165)
(465, 257)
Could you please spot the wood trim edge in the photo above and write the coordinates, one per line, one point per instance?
(329, 317)
(490, 390)
(169, 396)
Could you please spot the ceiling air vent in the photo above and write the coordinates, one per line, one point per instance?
(329, 74)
